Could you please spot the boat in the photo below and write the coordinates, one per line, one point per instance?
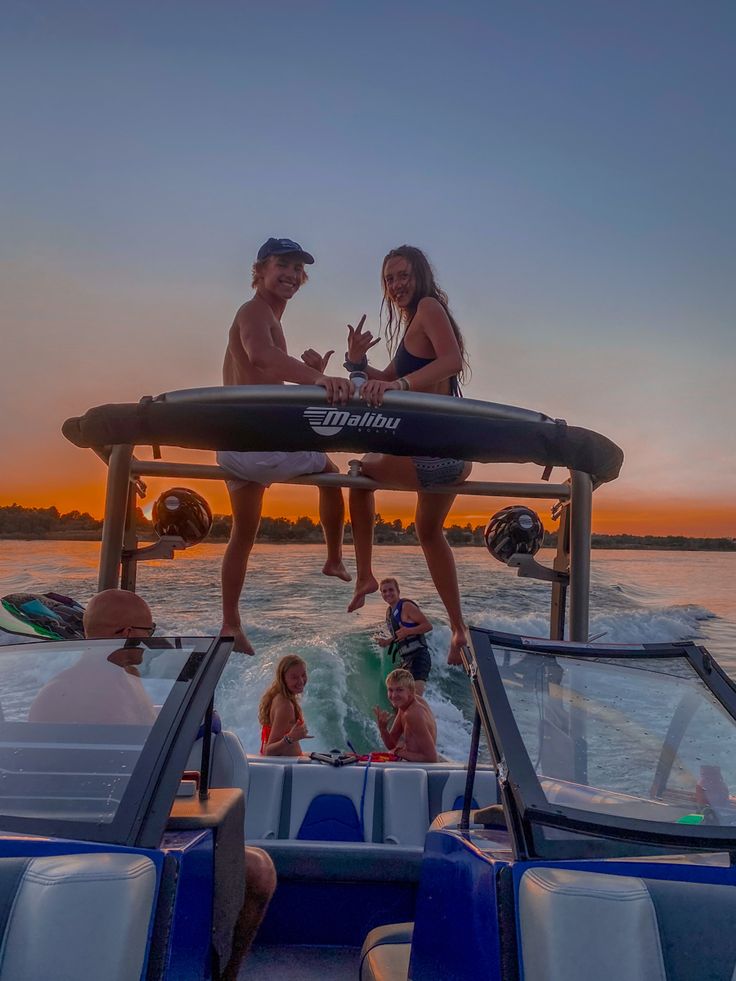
(597, 843)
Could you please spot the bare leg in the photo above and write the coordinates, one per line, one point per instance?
(260, 884)
(362, 516)
(432, 509)
(246, 505)
(332, 517)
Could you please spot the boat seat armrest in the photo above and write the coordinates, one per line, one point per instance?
(490, 817)
(480, 817)
(386, 952)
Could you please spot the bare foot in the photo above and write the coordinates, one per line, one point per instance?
(459, 640)
(362, 588)
(242, 644)
(336, 569)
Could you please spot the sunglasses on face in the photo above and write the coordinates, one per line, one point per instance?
(148, 631)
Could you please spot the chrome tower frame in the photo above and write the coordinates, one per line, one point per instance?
(571, 566)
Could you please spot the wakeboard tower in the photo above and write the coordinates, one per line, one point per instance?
(294, 417)
(615, 766)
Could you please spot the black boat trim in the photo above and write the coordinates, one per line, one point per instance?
(299, 418)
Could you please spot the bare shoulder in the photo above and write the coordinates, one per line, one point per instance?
(431, 315)
(429, 307)
(255, 314)
(423, 708)
(416, 710)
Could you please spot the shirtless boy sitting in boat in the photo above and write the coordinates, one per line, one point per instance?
(413, 734)
(256, 355)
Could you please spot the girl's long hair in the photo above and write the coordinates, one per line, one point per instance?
(426, 285)
(278, 687)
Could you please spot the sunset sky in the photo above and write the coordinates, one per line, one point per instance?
(568, 167)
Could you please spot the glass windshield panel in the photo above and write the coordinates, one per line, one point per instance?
(75, 718)
(641, 738)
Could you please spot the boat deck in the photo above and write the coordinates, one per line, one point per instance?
(267, 963)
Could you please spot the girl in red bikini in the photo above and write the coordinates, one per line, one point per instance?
(279, 711)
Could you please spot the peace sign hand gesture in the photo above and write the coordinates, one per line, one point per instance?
(359, 343)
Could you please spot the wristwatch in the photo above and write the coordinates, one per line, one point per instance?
(288, 740)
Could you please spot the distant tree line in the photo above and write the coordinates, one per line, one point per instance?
(304, 529)
(673, 542)
(17, 521)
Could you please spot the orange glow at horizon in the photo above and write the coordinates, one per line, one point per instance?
(611, 514)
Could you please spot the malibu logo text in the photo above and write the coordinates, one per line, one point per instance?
(329, 422)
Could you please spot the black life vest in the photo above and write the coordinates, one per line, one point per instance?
(409, 645)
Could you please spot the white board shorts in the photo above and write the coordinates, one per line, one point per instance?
(265, 468)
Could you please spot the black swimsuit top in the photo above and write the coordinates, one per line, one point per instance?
(405, 362)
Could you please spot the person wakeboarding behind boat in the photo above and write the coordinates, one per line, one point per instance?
(408, 626)
(256, 355)
(430, 357)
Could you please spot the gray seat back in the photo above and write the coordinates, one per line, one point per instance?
(79, 918)
(577, 925)
(581, 925)
(228, 762)
(405, 806)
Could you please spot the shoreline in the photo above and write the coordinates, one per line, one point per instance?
(633, 543)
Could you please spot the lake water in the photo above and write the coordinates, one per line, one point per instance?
(289, 607)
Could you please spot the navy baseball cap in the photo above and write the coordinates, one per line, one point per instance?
(283, 246)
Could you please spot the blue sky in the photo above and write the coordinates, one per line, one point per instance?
(569, 169)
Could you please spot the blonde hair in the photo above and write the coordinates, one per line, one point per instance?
(400, 676)
(257, 272)
(390, 579)
(278, 687)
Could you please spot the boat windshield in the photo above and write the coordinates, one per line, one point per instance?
(626, 735)
(85, 726)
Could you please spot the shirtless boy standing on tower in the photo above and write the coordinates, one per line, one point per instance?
(256, 355)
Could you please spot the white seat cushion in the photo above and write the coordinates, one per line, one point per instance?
(405, 806)
(578, 926)
(386, 953)
(263, 805)
(80, 918)
(228, 763)
(485, 789)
